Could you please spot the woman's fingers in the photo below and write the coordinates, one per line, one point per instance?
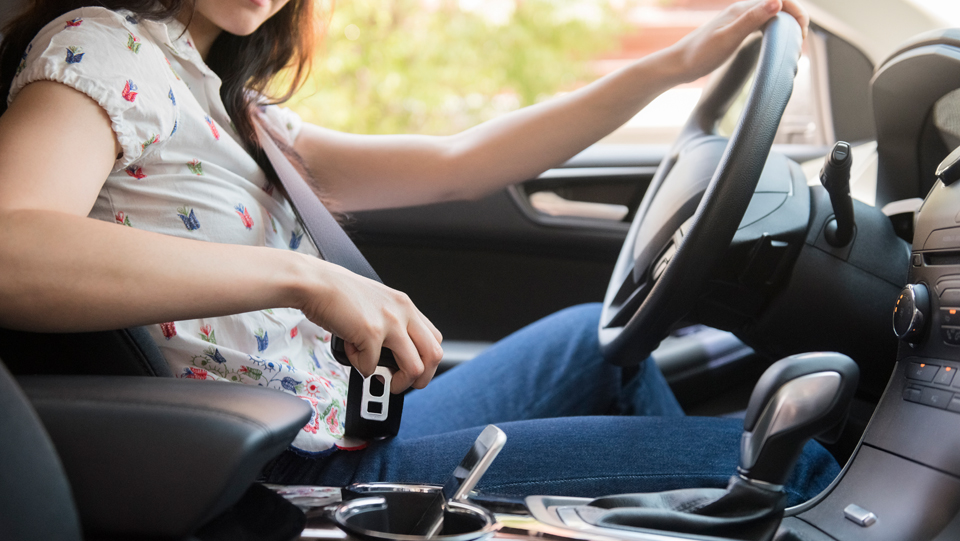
(753, 14)
(364, 357)
(370, 316)
(418, 353)
(415, 347)
(428, 346)
(794, 8)
(433, 329)
(408, 361)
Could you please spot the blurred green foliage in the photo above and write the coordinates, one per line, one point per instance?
(422, 66)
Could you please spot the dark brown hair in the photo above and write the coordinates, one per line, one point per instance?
(245, 64)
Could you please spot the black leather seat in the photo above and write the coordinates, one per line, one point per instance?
(123, 352)
(144, 457)
(35, 501)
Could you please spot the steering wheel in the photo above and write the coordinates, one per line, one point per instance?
(697, 198)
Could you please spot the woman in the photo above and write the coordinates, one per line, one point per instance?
(142, 115)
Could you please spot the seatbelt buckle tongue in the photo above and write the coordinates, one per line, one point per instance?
(372, 410)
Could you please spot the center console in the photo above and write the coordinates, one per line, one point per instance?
(906, 474)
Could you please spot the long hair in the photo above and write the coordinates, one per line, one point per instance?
(245, 64)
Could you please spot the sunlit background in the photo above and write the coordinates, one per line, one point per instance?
(441, 66)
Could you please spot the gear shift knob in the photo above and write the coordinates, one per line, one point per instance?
(796, 399)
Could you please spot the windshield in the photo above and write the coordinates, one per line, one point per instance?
(948, 10)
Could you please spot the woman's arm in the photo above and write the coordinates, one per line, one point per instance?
(63, 271)
(365, 172)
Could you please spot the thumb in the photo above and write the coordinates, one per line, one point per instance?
(363, 359)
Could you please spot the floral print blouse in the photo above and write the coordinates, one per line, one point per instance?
(184, 172)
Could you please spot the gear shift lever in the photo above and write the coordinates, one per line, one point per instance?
(796, 399)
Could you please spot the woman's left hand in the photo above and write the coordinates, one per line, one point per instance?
(704, 49)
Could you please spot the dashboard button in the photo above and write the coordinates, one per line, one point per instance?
(943, 238)
(922, 371)
(954, 404)
(945, 375)
(951, 335)
(859, 515)
(950, 316)
(912, 394)
(950, 297)
(917, 260)
(935, 397)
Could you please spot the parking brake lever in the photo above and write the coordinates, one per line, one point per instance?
(835, 177)
(796, 399)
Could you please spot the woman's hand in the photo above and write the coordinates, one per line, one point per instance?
(369, 315)
(704, 49)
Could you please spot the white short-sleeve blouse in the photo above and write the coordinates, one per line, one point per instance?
(184, 172)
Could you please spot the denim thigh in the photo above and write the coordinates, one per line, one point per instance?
(545, 386)
(571, 456)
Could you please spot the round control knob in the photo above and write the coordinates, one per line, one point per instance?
(909, 314)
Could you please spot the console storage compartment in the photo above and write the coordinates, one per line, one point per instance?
(159, 457)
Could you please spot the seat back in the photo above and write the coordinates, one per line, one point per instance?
(35, 500)
(123, 352)
(128, 352)
(10, 9)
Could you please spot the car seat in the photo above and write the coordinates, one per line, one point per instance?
(129, 352)
(35, 500)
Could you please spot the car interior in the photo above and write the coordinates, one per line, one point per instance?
(810, 289)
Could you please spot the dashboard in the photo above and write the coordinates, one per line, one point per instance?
(906, 472)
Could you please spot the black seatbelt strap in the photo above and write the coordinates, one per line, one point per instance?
(372, 411)
(327, 235)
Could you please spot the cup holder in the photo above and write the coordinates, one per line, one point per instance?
(390, 511)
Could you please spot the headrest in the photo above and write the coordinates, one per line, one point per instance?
(10, 9)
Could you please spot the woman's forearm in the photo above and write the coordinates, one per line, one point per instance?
(64, 273)
(364, 172)
(519, 146)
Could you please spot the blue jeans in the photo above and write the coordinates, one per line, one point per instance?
(573, 426)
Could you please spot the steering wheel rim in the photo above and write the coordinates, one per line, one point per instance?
(642, 302)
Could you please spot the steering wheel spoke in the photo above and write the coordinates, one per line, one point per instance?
(627, 300)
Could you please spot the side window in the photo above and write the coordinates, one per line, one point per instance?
(441, 66)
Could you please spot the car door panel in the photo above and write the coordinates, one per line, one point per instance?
(482, 269)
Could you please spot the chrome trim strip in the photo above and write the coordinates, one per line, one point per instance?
(762, 484)
(577, 172)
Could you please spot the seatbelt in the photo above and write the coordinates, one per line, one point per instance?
(372, 411)
(327, 235)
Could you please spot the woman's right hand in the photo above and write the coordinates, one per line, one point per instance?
(703, 50)
(369, 315)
